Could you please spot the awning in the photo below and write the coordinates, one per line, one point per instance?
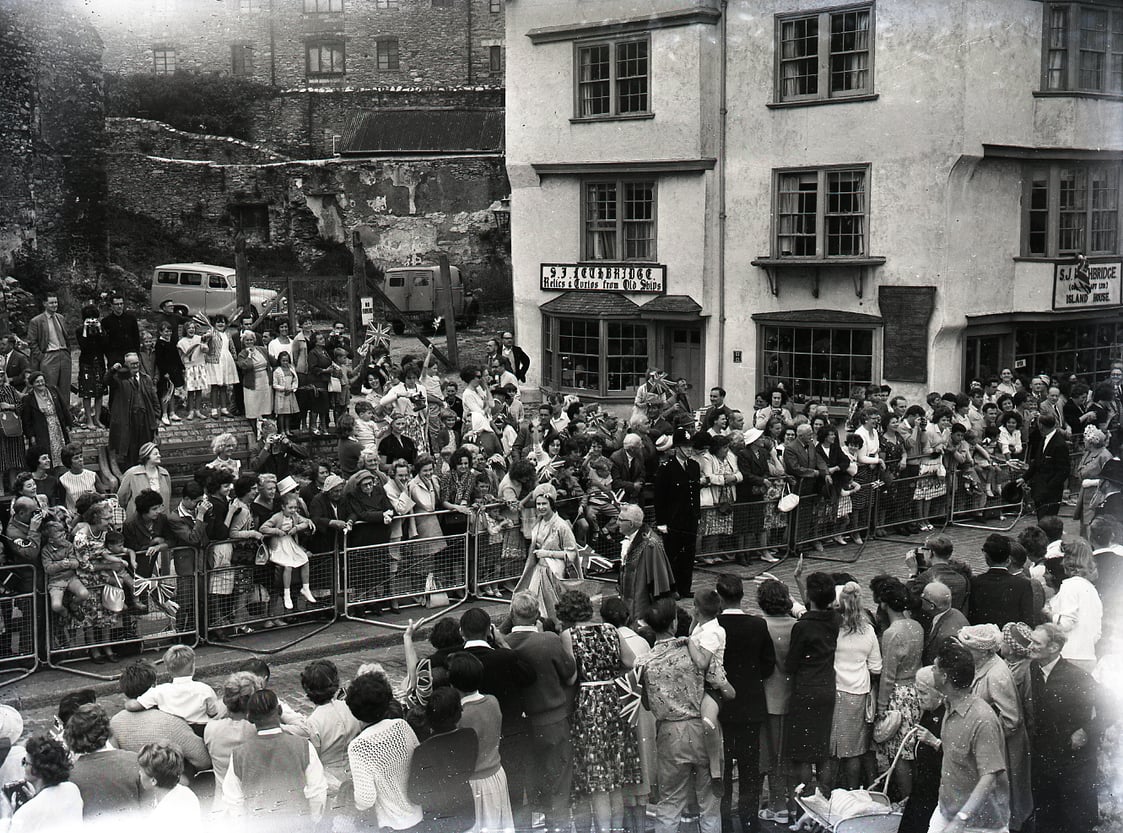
(818, 316)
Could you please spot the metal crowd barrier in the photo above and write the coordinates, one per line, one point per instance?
(426, 572)
(746, 529)
(244, 598)
(973, 508)
(19, 616)
(819, 518)
(173, 616)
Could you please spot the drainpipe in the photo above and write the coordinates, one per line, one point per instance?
(272, 49)
(470, 41)
(721, 200)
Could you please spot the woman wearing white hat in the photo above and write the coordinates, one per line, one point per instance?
(552, 546)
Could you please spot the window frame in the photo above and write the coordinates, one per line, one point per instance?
(823, 94)
(552, 354)
(386, 5)
(613, 45)
(822, 173)
(444, 4)
(495, 60)
(1072, 50)
(321, 43)
(1052, 211)
(385, 42)
(245, 51)
(318, 4)
(165, 51)
(789, 377)
(495, 6)
(620, 183)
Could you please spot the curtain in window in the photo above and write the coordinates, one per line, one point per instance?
(850, 44)
(1057, 54)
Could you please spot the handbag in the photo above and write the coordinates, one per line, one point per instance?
(11, 424)
(433, 597)
(887, 726)
(789, 501)
(335, 384)
(113, 596)
(261, 557)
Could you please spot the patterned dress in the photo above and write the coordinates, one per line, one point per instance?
(13, 451)
(605, 750)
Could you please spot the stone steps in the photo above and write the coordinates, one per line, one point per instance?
(183, 443)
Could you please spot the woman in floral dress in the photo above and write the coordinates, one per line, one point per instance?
(90, 615)
(605, 751)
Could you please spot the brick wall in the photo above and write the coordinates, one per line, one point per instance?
(51, 130)
(407, 210)
(433, 44)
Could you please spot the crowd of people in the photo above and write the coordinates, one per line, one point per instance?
(555, 712)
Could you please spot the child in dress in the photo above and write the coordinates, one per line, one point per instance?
(60, 563)
(281, 531)
(123, 562)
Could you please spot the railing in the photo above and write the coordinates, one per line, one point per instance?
(244, 597)
(172, 616)
(430, 571)
(19, 615)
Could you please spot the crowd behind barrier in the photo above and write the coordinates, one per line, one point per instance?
(243, 596)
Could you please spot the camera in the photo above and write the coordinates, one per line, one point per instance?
(18, 793)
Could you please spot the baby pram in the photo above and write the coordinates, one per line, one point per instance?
(857, 811)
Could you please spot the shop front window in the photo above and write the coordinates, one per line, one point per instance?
(817, 363)
(1084, 350)
(604, 357)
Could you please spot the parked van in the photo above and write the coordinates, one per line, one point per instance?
(201, 287)
(413, 289)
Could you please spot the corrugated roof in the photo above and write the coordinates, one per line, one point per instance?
(817, 316)
(424, 131)
(595, 304)
(673, 303)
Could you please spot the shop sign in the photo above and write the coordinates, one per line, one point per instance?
(605, 277)
(1081, 285)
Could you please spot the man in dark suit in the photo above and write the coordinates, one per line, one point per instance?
(547, 708)
(50, 346)
(120, 332)
(628, 468)
(1062, 736)
(645, 571)
(15, 363)
(946, 622)
(506, 677)
(134, 410)
(1049, 467)
(750, 658)
(678, 506)
(520, 361)
(997, 596)
(808, 467)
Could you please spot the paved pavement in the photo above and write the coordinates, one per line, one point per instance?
(350, 644)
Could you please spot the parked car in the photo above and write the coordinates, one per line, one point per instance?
(414, 290)
(211, 290)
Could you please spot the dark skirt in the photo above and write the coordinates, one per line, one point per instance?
(91, 376)
(808, 725)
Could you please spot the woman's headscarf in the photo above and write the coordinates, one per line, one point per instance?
(1016, 640)
(355, 482)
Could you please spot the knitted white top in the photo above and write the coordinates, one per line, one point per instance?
(380, 757)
